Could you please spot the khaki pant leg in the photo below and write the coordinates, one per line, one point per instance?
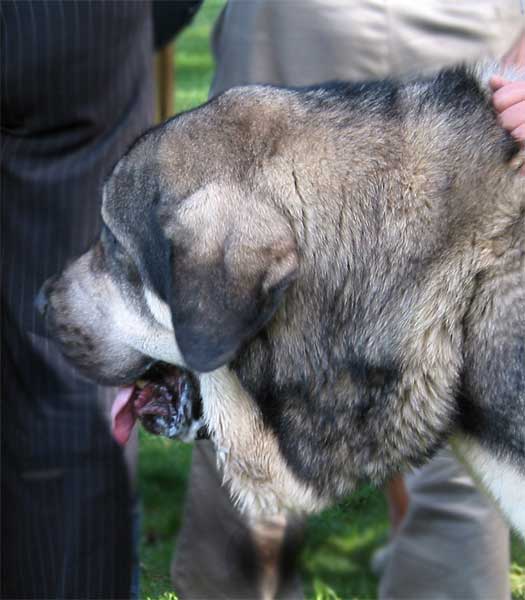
(452, 544)
(428, 35)
(302, 42)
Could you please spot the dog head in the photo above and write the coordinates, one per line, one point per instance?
(194, 255)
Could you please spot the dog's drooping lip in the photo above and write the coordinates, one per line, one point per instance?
(166, 401)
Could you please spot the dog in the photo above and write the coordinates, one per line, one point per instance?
(340, 267)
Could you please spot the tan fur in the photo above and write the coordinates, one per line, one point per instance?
(258, 478)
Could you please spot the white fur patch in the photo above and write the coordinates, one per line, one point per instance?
(502, 480)
(134, 330)
(260, 481)
(159, 309)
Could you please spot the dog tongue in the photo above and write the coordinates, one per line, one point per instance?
(123, 415)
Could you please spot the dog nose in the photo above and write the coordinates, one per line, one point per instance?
(42, 298)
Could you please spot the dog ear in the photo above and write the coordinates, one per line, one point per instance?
(221, 299)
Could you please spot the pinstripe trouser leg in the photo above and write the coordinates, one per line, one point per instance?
(76, 90)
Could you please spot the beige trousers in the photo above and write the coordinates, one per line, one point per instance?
(453, 544)
(300, 42)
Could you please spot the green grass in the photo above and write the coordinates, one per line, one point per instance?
(340, 541)
(193, 59)
(339, 544)
(163, 470)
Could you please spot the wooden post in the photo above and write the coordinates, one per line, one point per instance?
(165, 82)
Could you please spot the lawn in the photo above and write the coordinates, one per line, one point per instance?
(340, 541)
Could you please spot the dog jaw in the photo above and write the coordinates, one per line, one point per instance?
(260, 482)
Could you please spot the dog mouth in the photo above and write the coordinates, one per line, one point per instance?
(166, 401)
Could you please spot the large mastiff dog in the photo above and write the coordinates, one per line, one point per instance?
(341, 269)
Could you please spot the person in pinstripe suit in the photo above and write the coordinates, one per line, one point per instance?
(76, 90)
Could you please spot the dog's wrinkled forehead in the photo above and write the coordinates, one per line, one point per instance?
(166, 164)
(174, 189)
(182, 156)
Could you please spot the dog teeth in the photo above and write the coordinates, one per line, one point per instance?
(141, 383)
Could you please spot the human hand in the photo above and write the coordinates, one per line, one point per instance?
(509, 101)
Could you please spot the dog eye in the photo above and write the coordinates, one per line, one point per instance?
(112, 247)
(116, 253)
(107, 236)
